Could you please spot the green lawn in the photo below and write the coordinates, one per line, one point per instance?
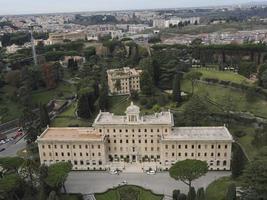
(130, 192)
(118, 104)
(68, 118)
(245, 142)
(61, 91)
(221, 95)
(223, 75)
(217, 189)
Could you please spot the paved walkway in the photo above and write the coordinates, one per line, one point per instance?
(161, 183)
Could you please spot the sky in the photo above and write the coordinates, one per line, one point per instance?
(50, 6)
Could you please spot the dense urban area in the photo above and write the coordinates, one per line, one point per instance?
(166, 104)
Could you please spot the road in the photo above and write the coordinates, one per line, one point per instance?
(161, 183)
(12, 147)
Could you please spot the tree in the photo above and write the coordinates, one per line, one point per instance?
(231, 192)
(44, 115)
(239, 161)
(182, 197)
(146, 83)
(176, 90)
(72, 65)
(193, 76)
(196, 112)
(201, 194)
(191, 194)
(255, 177)
(9, 185)
(263, 79)
(11, 164)
(57, 175)
(90, 51)
(44, 189)
(175, 194)
(118, 85)
(188, 170)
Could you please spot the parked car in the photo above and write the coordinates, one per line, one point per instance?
(113, 171)
(124, 182)
(2, 142)
(151, 172)
(3, 149)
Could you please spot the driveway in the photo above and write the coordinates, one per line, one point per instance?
(161, 183)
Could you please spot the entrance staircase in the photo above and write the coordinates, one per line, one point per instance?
(133, 168)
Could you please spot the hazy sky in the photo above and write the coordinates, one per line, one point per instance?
(44, 6)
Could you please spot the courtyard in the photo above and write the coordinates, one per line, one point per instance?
(86, 182)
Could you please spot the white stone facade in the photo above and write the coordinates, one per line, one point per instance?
(150, 140)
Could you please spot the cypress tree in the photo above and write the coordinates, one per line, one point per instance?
(44, 116)
(231, 192)
(191, 194)
(238, 162)
(201, 194)
(176, 89)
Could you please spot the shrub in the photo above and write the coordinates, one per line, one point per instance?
(175, 194)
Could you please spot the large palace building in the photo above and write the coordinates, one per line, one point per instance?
(151, 141)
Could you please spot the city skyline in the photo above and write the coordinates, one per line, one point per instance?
(48, 6)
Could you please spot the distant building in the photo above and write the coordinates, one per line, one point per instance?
(58, 38)
(162, 23)
(12, 49)
(124, 80)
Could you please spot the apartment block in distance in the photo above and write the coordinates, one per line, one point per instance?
(145, 141)
(124, 80)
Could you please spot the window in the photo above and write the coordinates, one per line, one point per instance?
(185, 154)
(186, 146)
(139, 130)
(145, 130)
(151, 141)
(99, 154)
(80, 146)
(81, 162)
(151, 130)
(212, 154)
(55, 146)
(225, 154)
(172, 154)
(152, 149)
(43, 146)
(56, 154)
(173, 146)
(114, 130)
(75, 162)
(50, 154)
(139, 141)
(192, 154)
(73, 146)
(192, 146)
(212, 146)
(166, 130)
(199, 146)
(120, 141)
(205, 154)
(81, 154)
(87, 154)
(114, 141)
(219, 154)
(127, 141)
(145, 140)
(158, 130)
(133, 141)
(93, 147)
(74, 154)
(219, 146)
(198, 154)
(218, 162)
(68, 153)
(133, 130)
(225, 146)
(179, 146)
(224, 163)
(68, 146)
(44, 154)
(86, 146)
(120, 130)
(93, 154)
(62, 154)
(100, 130)
(179, 154)
(166, 146)
(98, 146)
